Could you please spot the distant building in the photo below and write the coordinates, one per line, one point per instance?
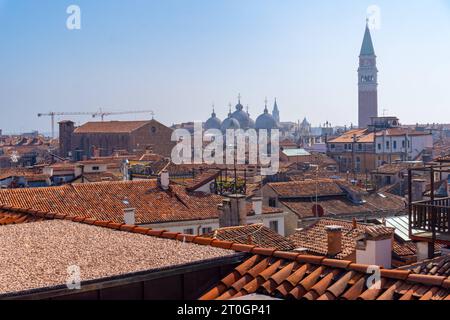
(383, 142)
(240, 119)
(276, 112)
(367, 82)
(105, 138)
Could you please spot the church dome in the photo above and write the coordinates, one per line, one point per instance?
(213, 122)
(230, 123)
(251, 123)
(266, 121)
(241, 116)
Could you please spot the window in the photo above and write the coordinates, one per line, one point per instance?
(273, 202)
(395, 144)
(360, 147)
(403, 144)
(188, 231)
(333, 146)
(379, 146)
(273, 225)
(387, 145)
(153, 129)
(206, 230)
(95, 168)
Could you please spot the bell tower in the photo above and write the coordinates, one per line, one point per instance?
(367, 81)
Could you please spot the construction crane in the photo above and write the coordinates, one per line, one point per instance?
(99, 113)
(103, 114)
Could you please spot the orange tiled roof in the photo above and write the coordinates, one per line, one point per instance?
(336, 206)
(7, 218)
(362, 135)
(111, 127)
(307, 188)
(202, 179)
(105, 201)
(314, 238)
(295, 276)
(395, 168)
(256, 234)
(401, 132)
(439, 266)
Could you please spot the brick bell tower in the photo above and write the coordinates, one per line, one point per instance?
(367, 81)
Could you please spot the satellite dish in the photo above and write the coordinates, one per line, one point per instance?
(318, 210)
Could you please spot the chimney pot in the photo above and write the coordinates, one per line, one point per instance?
(165, 180)
(257, 205)
(129, 216)
(334, 235)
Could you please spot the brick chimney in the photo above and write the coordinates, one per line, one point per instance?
(334, 234)
(129, 216)
(233, 211)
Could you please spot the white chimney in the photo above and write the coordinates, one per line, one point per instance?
(165, 180)
(257, 205)
(129, 216)
(375, 247)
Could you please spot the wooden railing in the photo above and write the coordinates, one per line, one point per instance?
(431, 216)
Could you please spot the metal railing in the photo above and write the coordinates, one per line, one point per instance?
(431, 216)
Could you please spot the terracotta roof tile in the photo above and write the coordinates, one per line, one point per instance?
(307, 188)
(329, 280)
(255, 234)
(111, 127)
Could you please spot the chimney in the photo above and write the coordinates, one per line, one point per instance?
(129, 216)
(164, 180)
(334, 234)
(418, 188)
(257, 205)
(233, 211)
(375, 246)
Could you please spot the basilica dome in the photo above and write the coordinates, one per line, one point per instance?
(230, 123)
(213, 122)
(266, 121)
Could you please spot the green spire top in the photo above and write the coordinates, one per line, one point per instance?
(367, 46)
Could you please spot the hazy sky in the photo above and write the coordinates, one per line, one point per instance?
(179, 56)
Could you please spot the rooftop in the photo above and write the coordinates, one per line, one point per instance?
(105, 201)
(111, 127)
(300, 277)
(296, 152)
(439, 266)
(307, 188)
(314, 238)
(48, 248)
(336, 206)
(256, 234)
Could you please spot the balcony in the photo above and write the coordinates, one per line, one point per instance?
(430, 221)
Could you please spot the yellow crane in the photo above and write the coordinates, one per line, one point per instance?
(102, 114)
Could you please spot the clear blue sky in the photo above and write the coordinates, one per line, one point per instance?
(179, 56)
